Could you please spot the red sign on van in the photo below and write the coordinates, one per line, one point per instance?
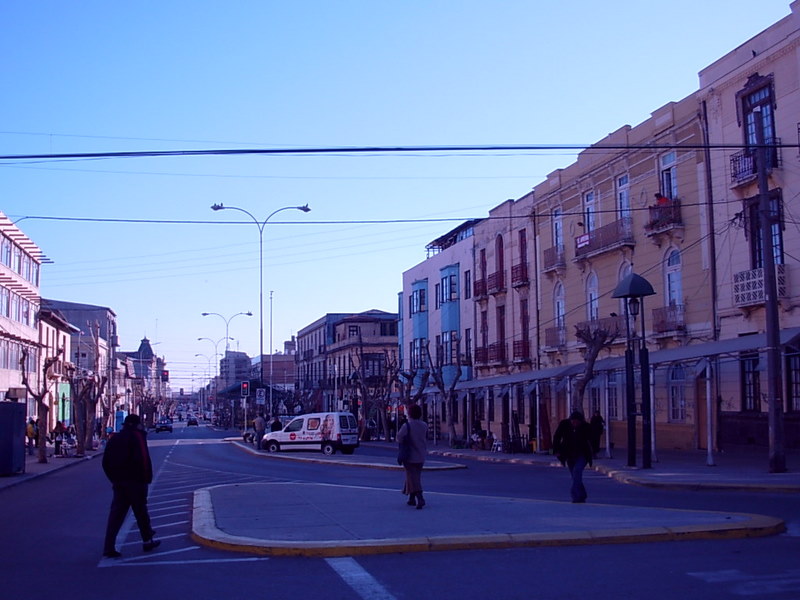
(292, 436)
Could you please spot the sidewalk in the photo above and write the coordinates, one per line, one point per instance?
(34, 469)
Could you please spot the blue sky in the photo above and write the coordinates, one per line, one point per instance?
(96, 76)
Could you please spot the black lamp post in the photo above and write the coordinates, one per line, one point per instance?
(634, 288)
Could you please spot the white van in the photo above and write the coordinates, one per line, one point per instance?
(327, 432)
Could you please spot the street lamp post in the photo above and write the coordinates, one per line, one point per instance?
(260, 225)
(227, 323)
(633, 289)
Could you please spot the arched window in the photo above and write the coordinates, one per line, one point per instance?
(592, 297)
(498, 254)
(559, 312)
(677, 394)
(672, 278)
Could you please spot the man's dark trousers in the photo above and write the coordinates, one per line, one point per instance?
(133, 495)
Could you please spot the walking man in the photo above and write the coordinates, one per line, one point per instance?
(127, 465)
(572, 444)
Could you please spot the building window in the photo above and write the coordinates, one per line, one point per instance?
(592, 298)
(750, 382)
(467, 284)
(558, 229)
(754, 229)
(468, 344)
(793, 382)
(437, 296)
(450, 347)
(758, 100)
(673, 279)
(449, 288)
(623, 197)
(417, 301)
(612, 390)
(353, 331)
(589, 212)
(669, 175)
(499, 254)
(559, 306)
(677, 394)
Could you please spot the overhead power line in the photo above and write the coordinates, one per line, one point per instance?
(379, 150)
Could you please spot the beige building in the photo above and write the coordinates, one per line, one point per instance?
(756, 84)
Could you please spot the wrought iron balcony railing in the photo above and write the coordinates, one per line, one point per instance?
(748, 286)
(609, 237)
(743, 164)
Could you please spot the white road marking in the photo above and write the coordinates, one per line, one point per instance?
(747, 584)
(354, 575)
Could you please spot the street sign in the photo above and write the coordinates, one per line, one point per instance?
(261, 396)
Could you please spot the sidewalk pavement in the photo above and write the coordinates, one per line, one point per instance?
(306, 519)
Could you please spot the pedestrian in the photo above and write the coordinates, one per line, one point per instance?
(30, 433)
(598, 425)
(127, 465)
(276, 424)
(416, 431)
(260, 425)
(572, 445)
(58, 437)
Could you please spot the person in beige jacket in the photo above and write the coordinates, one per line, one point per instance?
(417, 432)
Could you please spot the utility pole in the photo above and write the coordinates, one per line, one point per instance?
(777, 454)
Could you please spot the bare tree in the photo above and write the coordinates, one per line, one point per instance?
(596, 338)
(448, 391)
(43, 387)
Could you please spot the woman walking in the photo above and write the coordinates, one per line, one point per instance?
(416, 432)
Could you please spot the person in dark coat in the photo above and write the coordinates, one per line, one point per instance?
(572, 444)
(126, 462)
(416, 430)
(598, 425)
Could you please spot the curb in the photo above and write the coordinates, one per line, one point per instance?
(24, 477)
(206, 532)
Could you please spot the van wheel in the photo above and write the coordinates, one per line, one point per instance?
(328, 449)
(273, 447)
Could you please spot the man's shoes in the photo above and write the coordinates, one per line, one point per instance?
(112, 554)
(151, 544)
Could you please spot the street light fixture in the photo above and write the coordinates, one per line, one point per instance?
(261, 225)
(633, 289)
(227, 323)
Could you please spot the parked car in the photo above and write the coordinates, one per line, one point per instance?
(326, 432)
(164, 425)
(192, 421)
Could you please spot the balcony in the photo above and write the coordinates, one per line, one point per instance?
(748, 286)
(481, 355)
(664, 217)
(555, 337)
(668, 319)
(522, 351)
(603, 239)
(614, 325)
(554, 259)
(743, 164)
(496, 282)
(497, 353)
(519, 275)
(479, 288)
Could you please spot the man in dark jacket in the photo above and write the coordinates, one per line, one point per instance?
(127, 465)
(572, 444)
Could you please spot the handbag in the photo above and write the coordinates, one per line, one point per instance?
(404, 448)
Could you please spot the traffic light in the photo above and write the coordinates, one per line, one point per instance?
(245, 389)
(164, 375)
